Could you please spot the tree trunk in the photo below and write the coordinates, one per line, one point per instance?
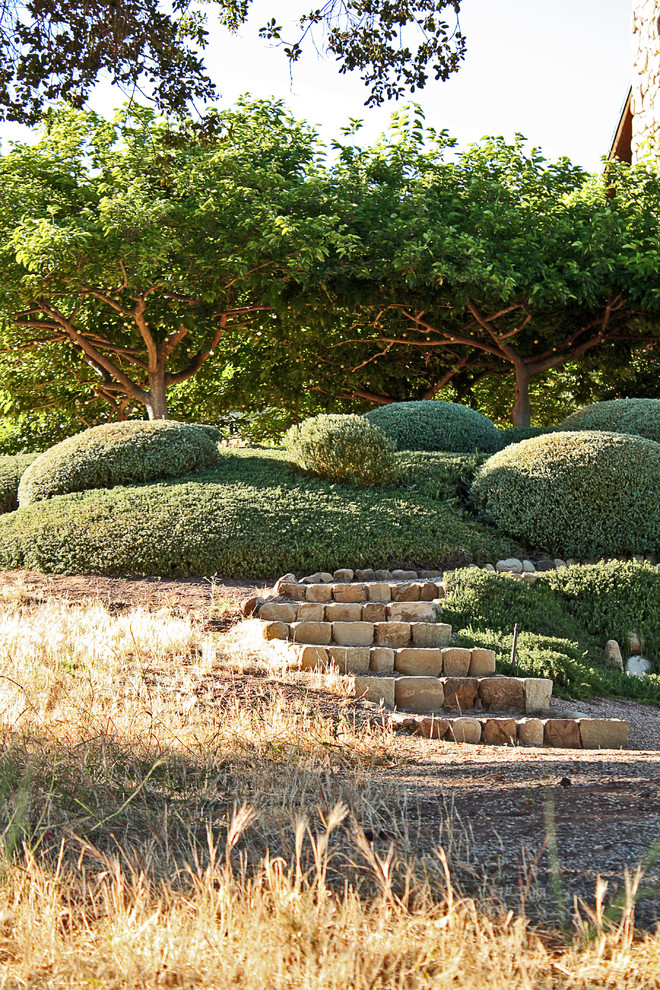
(156, 402)
(521, 412)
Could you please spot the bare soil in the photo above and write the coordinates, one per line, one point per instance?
(539, 826)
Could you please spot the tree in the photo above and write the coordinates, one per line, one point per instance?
(134, 250)
(54, 49)
(491, 263)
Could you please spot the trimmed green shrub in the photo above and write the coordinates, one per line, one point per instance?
(641, 417)
(118, 454)
(342, 448)
(514, 434)
(565, 619)
(435, 425)
(574, 494)
(252, 515)
(12, 469)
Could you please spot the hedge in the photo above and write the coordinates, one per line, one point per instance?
(583, 494)
(118, 454)
(435, 425)
(564, 621)
(251, 516)
(12, 469)
(342, 448)
(640, 417)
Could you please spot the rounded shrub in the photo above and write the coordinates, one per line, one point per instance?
(434, 425)
(640, 417)
(118, 454)
(12, 469)
(514, 434)
(342, 448)
(579, 494)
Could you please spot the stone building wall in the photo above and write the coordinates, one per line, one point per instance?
(646, 77)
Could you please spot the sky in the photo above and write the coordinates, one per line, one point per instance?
(556, 71)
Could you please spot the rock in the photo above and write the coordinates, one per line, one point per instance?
(312, 579)
(277, 612)
(499, 731)
(349, 592)
(545, 565)
(482, 662)
(285, 579)
(460, 693)
(538, 692)
(310, 612)
(314, 633)
(383, 575)
(465, 730)
(350, 659)
(572, 562)
(455, 661)
(638, 667)
(251, 605)
(530, 731)
(651, 558)
(612, 655)
(418, 694)
(411, 612)
(433, 728)
(394, 634)
(429, 575)
(562, 732)
(604, 733)
(274, 630)
(431, 634)
(405, 592)
(353, 633)
(502, 694)
(638, 558)
(318, 593)
(381, 660)
(344, 575)
(365, 575)
(528, 567)
(401, 575)
(488, 567)
(529, 578)
(418, 662)
(374, 612)
(313, 657)
(343, 612)
(428, 591)
(633, 644)
(326, 577)
(370, 688)
(511, 565)
(559, 562)
(379, 592)
(294, 592)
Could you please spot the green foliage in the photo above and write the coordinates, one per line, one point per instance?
(581, 494)
(12, 469)
(253, 515)
(433, 425)
(565, 619)
(640, 417)
(514, 434)
(342, 448)
(118, 454)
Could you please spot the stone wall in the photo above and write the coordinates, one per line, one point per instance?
(646, 77)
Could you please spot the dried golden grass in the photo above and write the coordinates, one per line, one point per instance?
(168, 821)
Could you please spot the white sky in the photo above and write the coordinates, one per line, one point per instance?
(555, 70)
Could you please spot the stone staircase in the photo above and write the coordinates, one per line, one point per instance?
(386, 639)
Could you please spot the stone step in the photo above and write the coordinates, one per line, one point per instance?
(291, 611)
(394, 635)
(451, 661)
(451, 694)
(359, 593)
(579, 733)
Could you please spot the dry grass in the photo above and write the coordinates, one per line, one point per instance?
(170, 821)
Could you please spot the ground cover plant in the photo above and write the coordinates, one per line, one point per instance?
(565, 619)
(576, 494)
(254, 515)
(173, 814)
(445, 426)
(12, 469)
(342, 448)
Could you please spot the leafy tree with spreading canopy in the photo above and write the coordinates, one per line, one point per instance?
(57, 49)
(490, 263)
(131, 251)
